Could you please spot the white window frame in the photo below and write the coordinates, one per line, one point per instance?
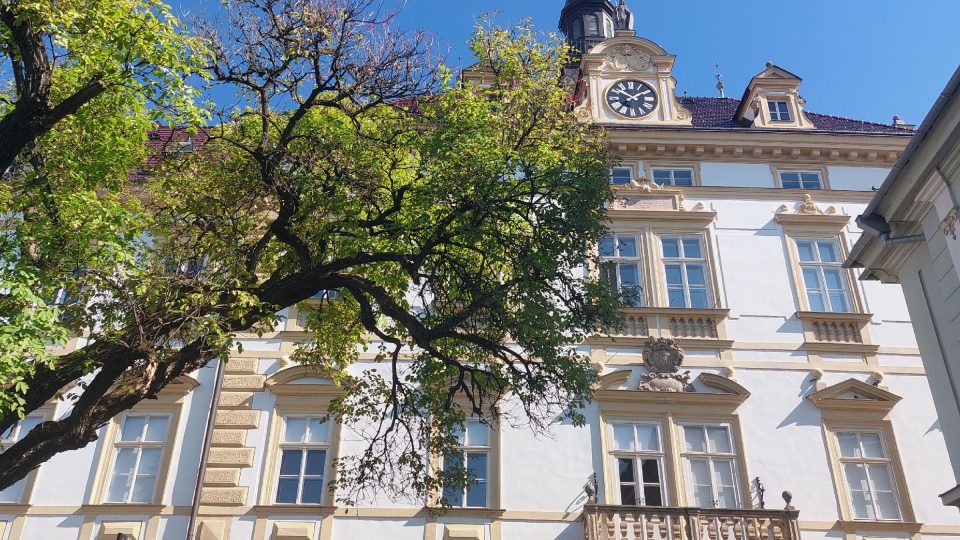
(819, 266)
(710, 457)
(776, 113)
(638, 456)
(303, 446)
(465, 449)
(8, 439)
(821, 183)
(864, 462)
(685, 262)
(617, 259)
(673, 170)
(139, 445)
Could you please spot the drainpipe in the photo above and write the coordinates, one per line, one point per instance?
(876, 225)
(205, 450)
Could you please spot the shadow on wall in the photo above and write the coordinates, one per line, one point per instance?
(804, 414)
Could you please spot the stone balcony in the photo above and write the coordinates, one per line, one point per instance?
(672, 523)
(695, 328)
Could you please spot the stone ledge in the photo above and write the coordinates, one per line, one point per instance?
(242, 365)
(229, 437)
(236, 399)
(222, 477)
(243, 382)
(231, 457)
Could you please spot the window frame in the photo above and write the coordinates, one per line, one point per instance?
(779, 170)
(140, 445)
(820, 267)
(619, 260)
(710, 457)
(683, 261)
(303, 447)
(864, 461)
(821, 232)
(465, 449)
(694, 174)
(786, 106)
(631, 168)
(638, 456)
(27, 482)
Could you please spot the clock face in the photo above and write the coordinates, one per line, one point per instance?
(631, 98)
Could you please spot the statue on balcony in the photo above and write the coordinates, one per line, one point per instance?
(663, 358)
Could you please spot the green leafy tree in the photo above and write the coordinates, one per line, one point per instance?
(455, 219)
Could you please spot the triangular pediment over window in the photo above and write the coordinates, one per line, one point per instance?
(854, 395)
(718, 391)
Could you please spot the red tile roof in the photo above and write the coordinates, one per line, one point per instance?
(718, 113)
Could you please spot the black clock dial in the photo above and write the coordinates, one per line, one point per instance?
(632, 98)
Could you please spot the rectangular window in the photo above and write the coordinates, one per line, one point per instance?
(621, 176)
(136, 461)
(823, 275)
(620, 266)
(685, 267)
(779, 111)
(866, 468)
(473, 453)
(303, 460)
(710, 463)
(14, 493)
(638, 461)
(673, 177)
(801, 180)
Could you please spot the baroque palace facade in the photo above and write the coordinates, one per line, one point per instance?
(753, 364)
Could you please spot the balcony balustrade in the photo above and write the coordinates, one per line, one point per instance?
(671, 523)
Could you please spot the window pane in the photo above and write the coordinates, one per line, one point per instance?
(677, 298)
(849, 445)
(623, 437)
(726, 497)
(811, 278)
(723, 473)
(828, 251)
(126, 461)
(695, 439)
(119, 487)
(629, 276)
(287, 491)
(319, 431)
(862, 509)
(695, 275)
(477, 465)
(628, 495)
(880, 477)
(143, 489)
(625, 470)
(296, 430)
(719, 440)
(453, 463)
(790, 180)
(620, 176)
(290, 462)
(652, 496)
(691, 248)
(157, 429)
(671, 247)
(606, 246)
(312, 491)
(683, 177)
(14, 493)
(834, 278)
(627, 245)
(674, 274)
(856, 477)
(648, 437)
(459, 435)
(316, 459)
(887, 505)
(477, 495)
(698, 299)
(477, 433)
(661, 176)
(805, 251)
(816, 301)
(149, 461)
(872, 446)
(838, 303)
(700, 477)
(650, 469)
(132, 428)
(810, 180)
(608, 273)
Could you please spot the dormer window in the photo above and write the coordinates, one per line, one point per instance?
(779, 111)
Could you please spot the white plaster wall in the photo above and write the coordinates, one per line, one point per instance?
(736, 174)
(369, 529)
(515, 530)
(856, 178)
(173, 528)
(67, 478)
(52, 528)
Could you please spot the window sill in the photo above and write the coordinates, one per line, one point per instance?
(123, 508)
(853, 526)
(295, 509)
(491, 513)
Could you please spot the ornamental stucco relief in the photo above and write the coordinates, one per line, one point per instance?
(663, 358)
(626, 58)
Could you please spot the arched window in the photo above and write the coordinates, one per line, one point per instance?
(577, 31)
(593, 25)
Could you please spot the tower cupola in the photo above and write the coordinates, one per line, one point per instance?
(586, 23)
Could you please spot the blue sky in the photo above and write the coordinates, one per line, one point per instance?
(864, 59)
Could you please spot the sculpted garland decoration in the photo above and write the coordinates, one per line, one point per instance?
(626, 58)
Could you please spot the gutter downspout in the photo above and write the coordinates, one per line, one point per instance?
(888, 241)
(205, 451)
